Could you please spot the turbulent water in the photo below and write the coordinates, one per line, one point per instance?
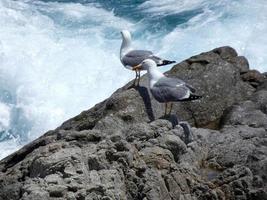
(58, 58)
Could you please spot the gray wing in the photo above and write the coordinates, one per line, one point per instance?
(170, 89)
(135, 57)
(174, 82)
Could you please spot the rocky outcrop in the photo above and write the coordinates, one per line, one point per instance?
(124, 149)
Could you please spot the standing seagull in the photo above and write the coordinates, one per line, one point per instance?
(166, 90)
(130, 58)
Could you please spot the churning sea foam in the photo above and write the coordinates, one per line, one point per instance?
(241, 24)
(50, 68)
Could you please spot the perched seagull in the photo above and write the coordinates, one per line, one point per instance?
(130, 58)
(166, 90)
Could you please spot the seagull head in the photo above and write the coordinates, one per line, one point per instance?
(145, 65)
(126, 35)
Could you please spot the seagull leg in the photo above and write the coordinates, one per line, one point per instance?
(171, 108)
(166, 107)
(138, 77)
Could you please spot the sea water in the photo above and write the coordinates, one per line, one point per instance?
(58, 58)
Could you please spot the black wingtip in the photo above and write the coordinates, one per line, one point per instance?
(193, 97)
(166, 62)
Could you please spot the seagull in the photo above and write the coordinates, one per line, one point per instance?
(130, 57)
(164, 89)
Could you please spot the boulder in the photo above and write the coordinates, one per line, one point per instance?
(123, 147)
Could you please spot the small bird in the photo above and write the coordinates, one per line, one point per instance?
(166, 90)
(130, 58)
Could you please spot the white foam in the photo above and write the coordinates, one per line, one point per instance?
(9, 146)
(4, 117)
(241, 25)
(54, 72)
(168, 7)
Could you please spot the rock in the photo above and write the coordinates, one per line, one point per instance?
(214, 77)
(221, 86)
(174, 144)
(53, 179)
(246, 113)
(241, 63)
(226, 52)
(254, 77)
(124, 149)
(36, 194)
(56, 190)
(260, 99)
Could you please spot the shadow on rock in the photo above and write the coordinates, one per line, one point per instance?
(171, 118)
(184, 124)
(143, 91)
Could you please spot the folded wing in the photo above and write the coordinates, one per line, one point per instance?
(171, 89)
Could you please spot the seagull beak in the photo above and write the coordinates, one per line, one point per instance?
(137, 67)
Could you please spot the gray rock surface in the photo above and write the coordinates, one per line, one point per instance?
(124, 149)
